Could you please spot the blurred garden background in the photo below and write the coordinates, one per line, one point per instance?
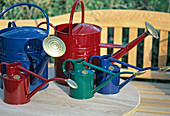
(58, 7)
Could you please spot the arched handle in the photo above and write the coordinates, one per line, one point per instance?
(63, 66)
(94, 56)
(11, 24)
(28, 4)
(72, 13)
(46, 23)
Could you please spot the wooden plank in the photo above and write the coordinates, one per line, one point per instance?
(108, 18)
(128, 18)
(154, 109)
(117, 39)
(163, 47)
(150, 84)
(161, 103)
(156, 97)
(150, 75)
(103, 51)
(132, 54)
(149, 114)
(147, 51)
(154, 90)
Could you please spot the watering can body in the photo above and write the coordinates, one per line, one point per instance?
(111, 87)
(85, 84)
(17, 83)
(114, 85)
(24, 44)
(16, 90)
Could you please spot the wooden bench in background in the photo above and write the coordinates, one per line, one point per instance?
(155, 97)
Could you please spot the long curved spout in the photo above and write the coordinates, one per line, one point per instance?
(150, 31)
(109, 79)
(129, 46)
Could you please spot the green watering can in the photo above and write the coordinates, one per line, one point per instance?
(84, 78)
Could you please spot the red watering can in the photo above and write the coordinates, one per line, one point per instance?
(82, 40)
(17, 84)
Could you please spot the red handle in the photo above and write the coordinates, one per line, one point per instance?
(46, 23)
(72, 13)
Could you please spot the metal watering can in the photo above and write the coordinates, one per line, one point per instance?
(24, 44)
(82, 40)
(84, 78)
(17, 84)
(114, 85)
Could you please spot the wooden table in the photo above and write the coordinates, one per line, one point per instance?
(54, 101)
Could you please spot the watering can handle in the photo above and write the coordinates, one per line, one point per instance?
(72, 13)
(63, 66)
(44, 22)
(123, 63)
(28, 4)
(11, 24)
(94, 56)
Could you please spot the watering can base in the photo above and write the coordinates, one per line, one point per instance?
(77, 97)
(16, 103)
(108, 93)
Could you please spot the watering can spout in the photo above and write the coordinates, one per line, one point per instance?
(150, 31)
(70, 82)
(117, 74)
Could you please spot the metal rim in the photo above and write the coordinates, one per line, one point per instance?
(71, 83)
(54, 46)
(151, 30)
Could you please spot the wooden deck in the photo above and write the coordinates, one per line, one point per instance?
(155, 98)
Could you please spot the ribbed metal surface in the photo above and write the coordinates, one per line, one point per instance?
(54, 46)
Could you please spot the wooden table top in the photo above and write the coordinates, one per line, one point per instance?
(55, 101)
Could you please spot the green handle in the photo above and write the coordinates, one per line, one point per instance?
(63, 66)
(98, 68)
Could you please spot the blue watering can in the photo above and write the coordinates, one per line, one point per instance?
(114, 85)
(24, 44)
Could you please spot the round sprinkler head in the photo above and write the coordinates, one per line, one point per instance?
(151, 30)
(163, 69)
(139, 72)
(54, 46)
(71, 83)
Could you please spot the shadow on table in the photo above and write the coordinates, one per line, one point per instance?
(1, 94)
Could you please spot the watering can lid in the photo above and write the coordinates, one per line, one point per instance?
(24, 32)
(83, 28)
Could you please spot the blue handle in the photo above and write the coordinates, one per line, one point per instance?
(94, 56)
(126, 64)
(28, 4)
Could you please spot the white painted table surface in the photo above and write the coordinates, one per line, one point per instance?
(55, 101)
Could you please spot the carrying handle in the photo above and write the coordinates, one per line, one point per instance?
(28, 4)
(44, 22)
(63, 66)
(72, 13)
(94, 56)
(11, 24)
